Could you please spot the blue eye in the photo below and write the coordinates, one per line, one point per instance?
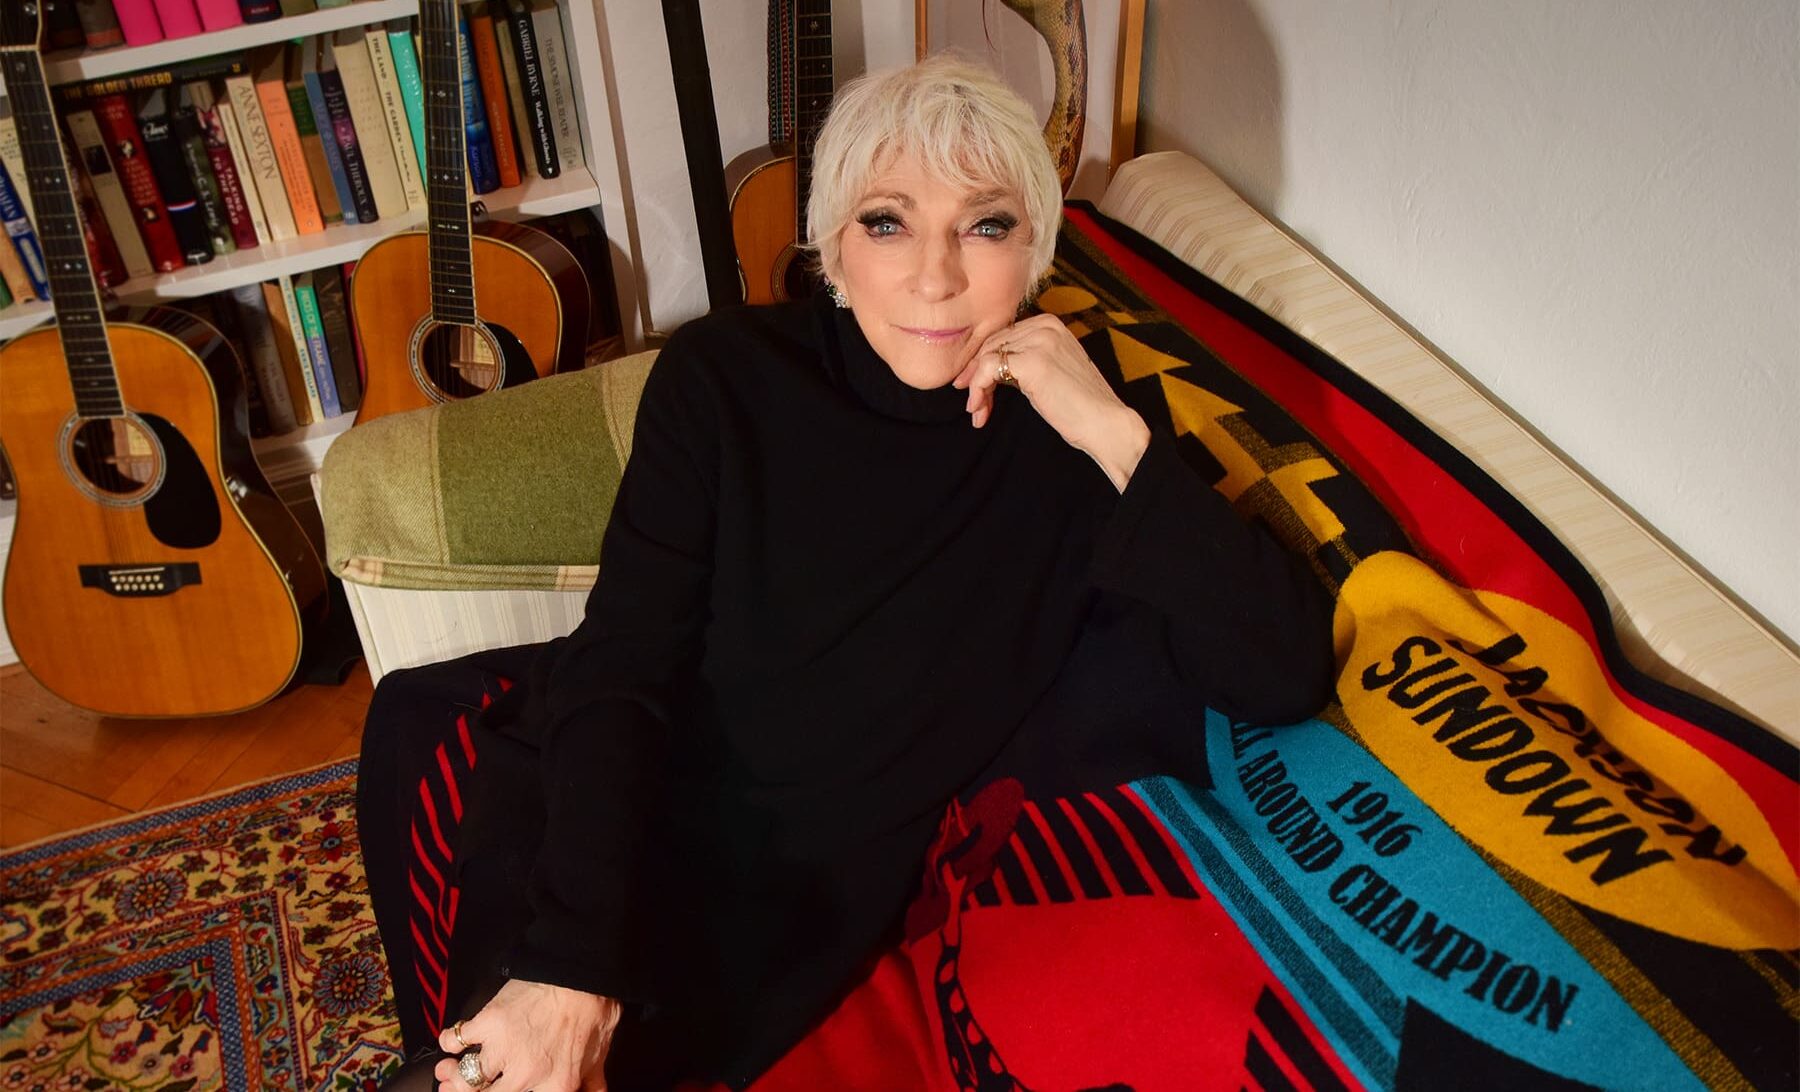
(995, 227)
(880, 225)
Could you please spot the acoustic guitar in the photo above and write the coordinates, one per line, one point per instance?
(153, 571)
(460, 308)
(769, 185)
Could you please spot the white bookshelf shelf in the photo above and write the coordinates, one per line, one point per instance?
(90, 64)
(334, 245)
(23, 317)
(314, 438)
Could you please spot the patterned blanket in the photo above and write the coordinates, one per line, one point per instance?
(1502, 858)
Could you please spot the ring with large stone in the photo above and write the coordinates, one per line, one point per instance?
(468, 1067)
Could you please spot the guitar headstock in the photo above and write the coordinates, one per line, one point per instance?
(19, 24)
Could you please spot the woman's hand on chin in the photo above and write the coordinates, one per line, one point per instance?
(1053, 372)
(535, 1036)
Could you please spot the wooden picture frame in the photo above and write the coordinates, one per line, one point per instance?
(1077, 62)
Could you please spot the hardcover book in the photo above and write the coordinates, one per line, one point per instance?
(192, 142)
(232, 195)
(493, 94)
(103, 253)
(412, 88)
(393, 109)
(180, 199)
(99, 23)
(334, 315)
(262, 358)
(24, 239)
(318, 164)
(179, 18)
(223, 66)
(219, 14)
(536, 125)
(343, 129)
(515, 93)
(259, 11)
(318, 356)
(364, 98)
(119, 130)
(484, 177)
(321, 117)
(229, 128)
(115, 207)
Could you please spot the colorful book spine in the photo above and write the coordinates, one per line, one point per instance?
(484, 177)
(260, 154)
(284, 137)
(318, 165)
(536, 124)
(180, 198)
(236, 203)
(115, 207)
(328, 141)
(546, 20)
(352, 55)
(24, 239)
(126, 146)
(334, 315)
(318, 355)
(515, 92)
(137, 22)
(99, 23)
(192, 143)
(290, 341)
(13, 275)
(179, 18)
(14, 157)
(493, 95)
(412, 86)
(103, 252)
(262, 358)
(399, 132)
(343, 128)
(219, 14)
(240, 158)
(259, 11)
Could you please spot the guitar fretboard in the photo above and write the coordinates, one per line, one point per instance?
(812, 92)
(73, 293)
(446, 164)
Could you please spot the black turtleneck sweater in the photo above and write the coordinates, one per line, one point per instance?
(825, 604)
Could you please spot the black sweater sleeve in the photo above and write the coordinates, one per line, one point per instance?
(609, 694)
(1244, 619)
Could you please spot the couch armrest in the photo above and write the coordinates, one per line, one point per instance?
(507, 491)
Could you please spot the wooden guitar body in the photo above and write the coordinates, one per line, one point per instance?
(531, 305)
(180, 585)
(765, 225)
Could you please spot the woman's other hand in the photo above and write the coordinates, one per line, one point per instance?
(1053, 372)
(535, 1036)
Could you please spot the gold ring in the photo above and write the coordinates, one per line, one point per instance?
(468, 1067)
(1003, 374)
(456, 1030)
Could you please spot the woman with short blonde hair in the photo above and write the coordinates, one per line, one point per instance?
(868, 550)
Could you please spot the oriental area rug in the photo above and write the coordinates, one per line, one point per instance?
(225, 943)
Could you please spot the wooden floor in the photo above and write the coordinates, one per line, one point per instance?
(62, 768)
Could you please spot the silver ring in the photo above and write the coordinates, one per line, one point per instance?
(468, 1067)
(456, 1030)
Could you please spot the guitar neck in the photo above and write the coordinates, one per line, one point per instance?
(446, 163)
(73, 293)
(812, 93)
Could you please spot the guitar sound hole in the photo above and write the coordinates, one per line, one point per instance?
(461, 361)
(117, 458)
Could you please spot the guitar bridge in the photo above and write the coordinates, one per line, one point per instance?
(140, 581)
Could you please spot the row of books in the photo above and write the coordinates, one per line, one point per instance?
(183, 164)
(103, 24)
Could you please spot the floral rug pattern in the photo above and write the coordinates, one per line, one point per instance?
(225, 943)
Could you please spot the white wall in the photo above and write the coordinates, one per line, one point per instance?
(1592, 207)
(672, 284)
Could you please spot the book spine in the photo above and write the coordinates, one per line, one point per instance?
(240, 158)
(343, 128)
(90, 149)
(318, 355)
(536, 124)
(219, 14)
(546, 19)
(296, 337)
(62, 26)
(262, 357)
(206, 184)
(178, 18)
(126, 146)
(515, 93)
(318, 166)
(259, 11)
(412, 87)
(137, 22)
(6, 296)
(24, 239)
(99, 23)
(254, 135)
(393, 109)
(172, 181)
(14, 158)
(232, 194)
(334, 316)
(103, 253)
(290, 158)
(218, 67)
(493, 96)
(484, 177)
(352, 56)
(334, 156)
(13, 275)
(297, 7)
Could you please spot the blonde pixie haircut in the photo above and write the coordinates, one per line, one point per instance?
(962, 123)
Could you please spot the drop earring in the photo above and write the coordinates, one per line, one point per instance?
(837, 294)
